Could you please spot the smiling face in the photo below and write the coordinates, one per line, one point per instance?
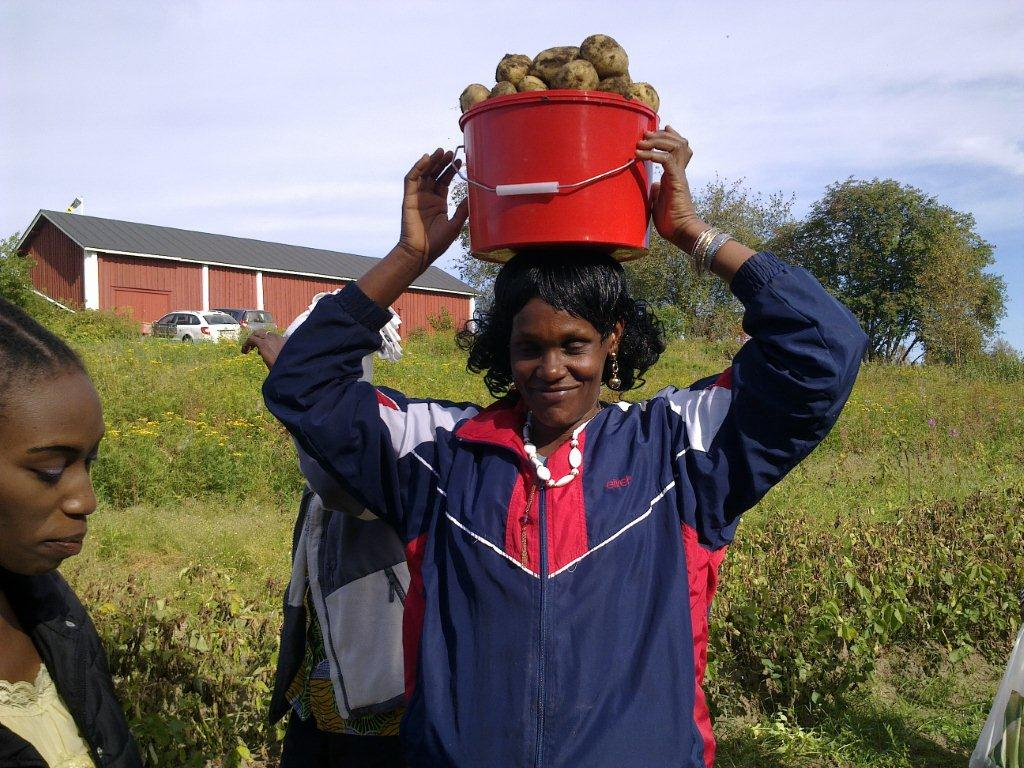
(50, 429)
(557, 360)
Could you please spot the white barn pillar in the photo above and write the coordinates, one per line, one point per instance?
(259, 291)
(206, 288)
(91, 280)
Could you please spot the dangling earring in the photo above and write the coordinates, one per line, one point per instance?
(615, 383)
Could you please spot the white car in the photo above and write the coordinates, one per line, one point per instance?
(193, 325)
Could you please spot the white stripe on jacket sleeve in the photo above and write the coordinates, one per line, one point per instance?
(702, 411)
(419, 422)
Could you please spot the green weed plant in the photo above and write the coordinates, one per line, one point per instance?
(900, 537)
(194, 667)
(806, 612)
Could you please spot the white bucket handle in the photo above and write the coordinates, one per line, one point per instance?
(536, 187)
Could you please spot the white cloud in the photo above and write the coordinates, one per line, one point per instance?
(996, 151)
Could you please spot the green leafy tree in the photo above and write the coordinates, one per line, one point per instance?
(701, 306)
(910, 269)
(1002, 362)
(665, 279)
(15, 273)
(479, 274)
(963, 303)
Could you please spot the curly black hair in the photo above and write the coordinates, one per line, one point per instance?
(585, 283)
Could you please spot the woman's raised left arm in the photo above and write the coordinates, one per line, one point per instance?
(672, 209)
(786, 386)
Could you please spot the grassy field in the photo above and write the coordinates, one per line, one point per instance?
(865, 611)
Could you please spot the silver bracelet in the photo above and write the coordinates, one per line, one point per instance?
(703, 240)
(712, 249)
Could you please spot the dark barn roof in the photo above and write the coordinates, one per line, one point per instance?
(135, 239)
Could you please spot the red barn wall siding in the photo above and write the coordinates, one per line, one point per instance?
(287, 296)
(59, 269)
(176, 285)
(417, 307)
(232, 288)
(181, 283)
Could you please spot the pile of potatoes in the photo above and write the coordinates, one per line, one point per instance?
(598, 64)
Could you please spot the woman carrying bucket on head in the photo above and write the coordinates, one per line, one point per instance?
(563, 550)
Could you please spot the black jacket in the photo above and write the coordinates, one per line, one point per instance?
(70, 647)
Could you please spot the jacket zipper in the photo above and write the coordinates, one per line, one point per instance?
(394, 586)
(524, 555)
(543, 629)
(543, 572)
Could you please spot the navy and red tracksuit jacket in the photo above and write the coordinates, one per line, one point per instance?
(587, 646)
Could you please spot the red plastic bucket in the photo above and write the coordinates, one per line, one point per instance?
(557, 168)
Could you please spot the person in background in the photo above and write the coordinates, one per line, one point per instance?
(57, 701)
(340, 668)
(565, 549)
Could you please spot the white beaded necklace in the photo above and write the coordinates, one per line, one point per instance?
(575, 455)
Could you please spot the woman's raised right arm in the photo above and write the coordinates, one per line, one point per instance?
(427, 232)
(377, 444)
(380, 445)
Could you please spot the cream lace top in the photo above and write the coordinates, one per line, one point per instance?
(35, 712)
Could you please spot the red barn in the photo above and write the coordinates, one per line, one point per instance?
(146, 270)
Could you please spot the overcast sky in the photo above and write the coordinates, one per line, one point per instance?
(295, 122)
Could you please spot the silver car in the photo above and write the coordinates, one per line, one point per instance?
(251, 319)
(193, 325)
